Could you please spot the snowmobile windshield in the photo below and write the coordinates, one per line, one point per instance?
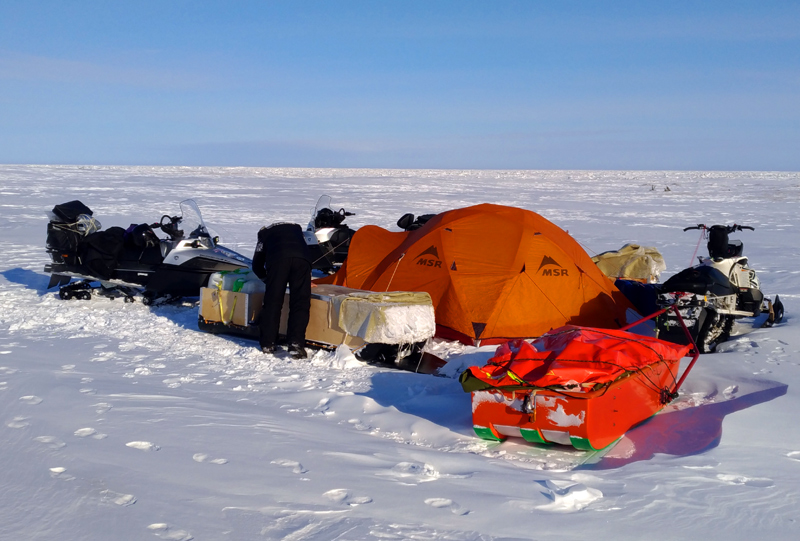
(324, 216)
(324, 202)
(192, 221)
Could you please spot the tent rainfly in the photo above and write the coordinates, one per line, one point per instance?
(494, 273)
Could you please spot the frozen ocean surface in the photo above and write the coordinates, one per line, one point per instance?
(122, 421)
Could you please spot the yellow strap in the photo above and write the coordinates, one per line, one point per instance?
(516, 378)
(219, 301)
(235, 298)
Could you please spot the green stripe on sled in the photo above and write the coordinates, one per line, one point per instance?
(486, 433)
(533, 435)
(582, 444)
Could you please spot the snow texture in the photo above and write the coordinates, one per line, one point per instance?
(122, 421)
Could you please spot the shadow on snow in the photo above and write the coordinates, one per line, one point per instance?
(28, 278)
(688, 431)
(684, 432)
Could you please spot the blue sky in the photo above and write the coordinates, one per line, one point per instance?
(402, 84)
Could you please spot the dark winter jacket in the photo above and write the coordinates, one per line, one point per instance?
(279, 241)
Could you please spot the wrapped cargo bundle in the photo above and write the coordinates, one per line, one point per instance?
(376, 326)
(576, 386)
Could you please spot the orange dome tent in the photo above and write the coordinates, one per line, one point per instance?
(493, 272)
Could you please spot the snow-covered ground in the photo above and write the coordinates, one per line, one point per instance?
(121, 421)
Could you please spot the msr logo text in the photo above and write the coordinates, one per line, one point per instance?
(429, 262)
(554, 272)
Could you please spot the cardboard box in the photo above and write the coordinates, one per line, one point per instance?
(242, 310)
(330, 307)
(230, 307)
(322, 329)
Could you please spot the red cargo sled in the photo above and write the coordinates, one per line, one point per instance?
(576, 386)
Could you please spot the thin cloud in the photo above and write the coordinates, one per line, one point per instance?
(34, 68)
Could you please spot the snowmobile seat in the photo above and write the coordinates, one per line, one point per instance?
(325, 218)
(140, 236)
(701, 280)
(407, 222)
(141, 245)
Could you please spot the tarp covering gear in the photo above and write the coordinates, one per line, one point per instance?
(493, 273)
(393, 326)
(632, 262)
(575, 386)
(393, 317)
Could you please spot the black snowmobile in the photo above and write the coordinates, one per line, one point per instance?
(408, 222)
(327, 236)
(715, 292)
(118, 262)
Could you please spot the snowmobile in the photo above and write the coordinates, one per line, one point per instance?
(328, 236)
(117, 262)
(408, 222)
(715, 292)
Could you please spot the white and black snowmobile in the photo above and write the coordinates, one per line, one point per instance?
(118, 262)
(715, 292)
(328, 236)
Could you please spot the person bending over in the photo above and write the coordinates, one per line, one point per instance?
(282, 257)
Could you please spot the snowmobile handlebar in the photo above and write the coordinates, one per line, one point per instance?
(169, 225)
(170, 220)
(728, 228)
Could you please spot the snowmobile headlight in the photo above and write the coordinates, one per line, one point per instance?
(205, 242)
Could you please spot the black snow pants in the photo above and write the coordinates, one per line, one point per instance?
(296, 272)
